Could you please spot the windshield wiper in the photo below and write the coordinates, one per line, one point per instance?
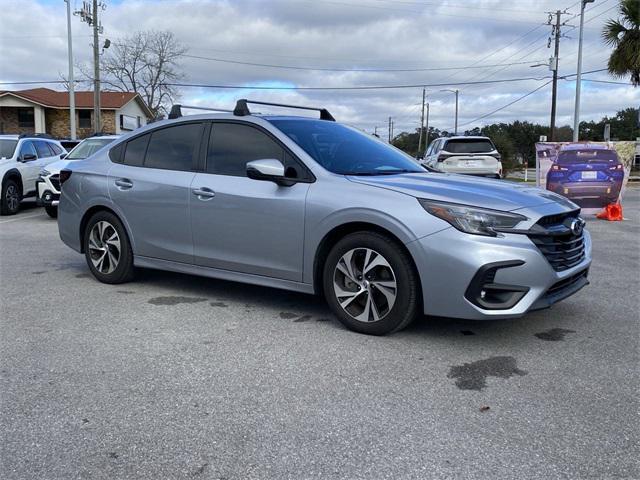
(384, 172)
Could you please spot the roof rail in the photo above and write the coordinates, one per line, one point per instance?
(242, 109)
(176, 110)
(35, 135)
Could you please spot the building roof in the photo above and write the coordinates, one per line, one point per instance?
(57, 99)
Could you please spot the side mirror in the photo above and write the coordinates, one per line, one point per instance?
(269, 169)
(63, 156)
(28, 157)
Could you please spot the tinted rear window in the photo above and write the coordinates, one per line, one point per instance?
(587, 156)
(135, 150)
(463, 145)
(7, 148)
(173, 148)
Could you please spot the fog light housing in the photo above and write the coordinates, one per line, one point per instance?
(483, 292)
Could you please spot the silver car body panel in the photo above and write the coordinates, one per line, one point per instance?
(260, 233)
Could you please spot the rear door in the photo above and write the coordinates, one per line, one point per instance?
(152, 187)
(246, 225)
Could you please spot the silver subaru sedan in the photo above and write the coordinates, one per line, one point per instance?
(314, 206)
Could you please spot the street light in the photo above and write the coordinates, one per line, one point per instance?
(456, 92)
(576, 112)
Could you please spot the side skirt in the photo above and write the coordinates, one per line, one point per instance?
(148, 262)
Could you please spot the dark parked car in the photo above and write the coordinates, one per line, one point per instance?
(590, 175)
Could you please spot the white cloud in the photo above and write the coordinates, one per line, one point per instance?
(340, 34)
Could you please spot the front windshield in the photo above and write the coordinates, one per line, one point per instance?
(346, 151)
(88, 147)
(7, 147)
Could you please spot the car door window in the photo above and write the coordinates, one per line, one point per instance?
(43, 149)
(135, 150)
(27, 148)
(232, 145)
(173, 148)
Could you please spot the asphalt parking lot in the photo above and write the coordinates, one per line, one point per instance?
(174, 376)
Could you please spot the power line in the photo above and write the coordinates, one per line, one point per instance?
(507, 105)
(524, 96)
(378, 7)
(367, 87)
(327, 69)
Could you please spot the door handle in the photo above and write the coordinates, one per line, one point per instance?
(204, 193)
(124, 183)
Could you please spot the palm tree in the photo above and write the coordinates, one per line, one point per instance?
(624, 36)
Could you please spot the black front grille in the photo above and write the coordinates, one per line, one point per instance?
(55, 181)
(554, 238)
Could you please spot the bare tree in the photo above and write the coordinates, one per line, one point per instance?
(145, 63)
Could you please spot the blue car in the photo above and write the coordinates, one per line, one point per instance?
(589, 174)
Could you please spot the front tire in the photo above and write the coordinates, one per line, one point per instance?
(371, 284)
(51, 211)
(107, 249)
(11, 197)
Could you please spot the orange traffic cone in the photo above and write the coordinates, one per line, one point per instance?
(612, 212)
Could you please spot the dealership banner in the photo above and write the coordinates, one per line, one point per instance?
(590, 174)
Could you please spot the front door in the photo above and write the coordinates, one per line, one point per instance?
(246, 225)
(152, 187)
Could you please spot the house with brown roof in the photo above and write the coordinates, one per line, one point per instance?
(42, 110)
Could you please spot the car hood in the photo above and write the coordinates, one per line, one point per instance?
(476, 191)
(58, 165)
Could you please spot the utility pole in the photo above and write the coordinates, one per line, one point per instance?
(421, 123)
(89, 14)
(426, 143)
(456, 91)
(72, 95)
(96, 70)
(554, 66)
(456, 127)
(390, 127)
(390, 141)
(576, 112)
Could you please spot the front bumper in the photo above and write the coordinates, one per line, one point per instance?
(46, 194)
(449, 261)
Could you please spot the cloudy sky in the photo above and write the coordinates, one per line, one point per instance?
(345, 43)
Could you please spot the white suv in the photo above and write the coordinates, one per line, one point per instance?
(470, 155)
(48, 184)
(21, 159)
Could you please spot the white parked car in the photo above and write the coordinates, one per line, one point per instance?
(470, 155)
(48, 184)
(21, 159)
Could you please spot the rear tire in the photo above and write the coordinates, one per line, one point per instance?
(371, 284)
(107, 249)
(11, 197)
(51, 211)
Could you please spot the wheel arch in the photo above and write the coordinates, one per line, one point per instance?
(13, 174)
(92, 211)
(341, 231)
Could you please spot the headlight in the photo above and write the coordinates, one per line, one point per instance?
(44, 173)
(478, 221)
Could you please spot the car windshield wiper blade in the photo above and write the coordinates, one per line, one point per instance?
(383, 172)
(393, 172)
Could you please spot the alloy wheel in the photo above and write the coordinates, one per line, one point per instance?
(365, 285)
(12, 197)
(104, 247)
